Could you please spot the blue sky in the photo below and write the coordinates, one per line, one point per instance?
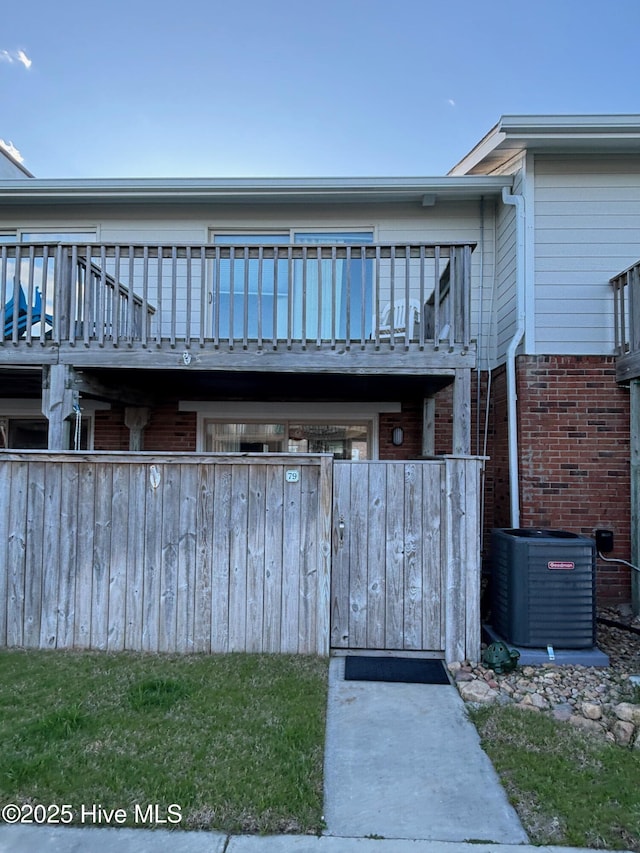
(133, 88)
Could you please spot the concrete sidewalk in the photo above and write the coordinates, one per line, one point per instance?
(39, 839)
(404, 761)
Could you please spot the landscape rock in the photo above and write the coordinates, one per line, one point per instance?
(586, 725)
(591, 711)
(623, 732)
(628, 713)
(462, 675)
(562, 711)
(539, 701)
(598, 700)
(477, 691)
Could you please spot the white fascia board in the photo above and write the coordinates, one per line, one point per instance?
(568, 126)
(477, 154)
(247, 190)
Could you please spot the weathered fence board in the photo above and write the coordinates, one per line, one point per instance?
(406, 567)
(5, 489)
(376, 546)
(17, 552)
(176, 553)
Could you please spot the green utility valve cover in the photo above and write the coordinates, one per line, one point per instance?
(500, 658)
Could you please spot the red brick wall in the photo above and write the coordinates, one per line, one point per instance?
(410, 419)
(110, 433)
(497, 504)
(573, 436)
(168, 430)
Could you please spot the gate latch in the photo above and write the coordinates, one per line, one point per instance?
(341, 530)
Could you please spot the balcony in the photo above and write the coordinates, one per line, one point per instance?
(626, 296)
(370, 308)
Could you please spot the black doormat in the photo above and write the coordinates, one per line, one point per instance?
(410, 670)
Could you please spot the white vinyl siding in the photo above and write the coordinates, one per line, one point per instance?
(587, 228)
(505, 299)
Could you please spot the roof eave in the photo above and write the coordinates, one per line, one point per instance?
(519, 133)
(246, 191)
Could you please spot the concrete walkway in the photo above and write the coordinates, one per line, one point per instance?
(404, 761)
(403, 766)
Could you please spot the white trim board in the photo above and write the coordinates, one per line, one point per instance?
(255, 409)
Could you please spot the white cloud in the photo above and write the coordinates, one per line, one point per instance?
(24, 59)
(13, 56)
(11, 149)
(451, 102)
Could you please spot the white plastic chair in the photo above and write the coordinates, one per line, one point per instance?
(405, 316)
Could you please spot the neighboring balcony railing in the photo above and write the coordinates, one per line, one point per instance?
(626, 297)
(252, 297)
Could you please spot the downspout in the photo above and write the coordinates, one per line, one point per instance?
(512, 398)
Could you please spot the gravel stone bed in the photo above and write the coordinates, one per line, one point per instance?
(602, 700)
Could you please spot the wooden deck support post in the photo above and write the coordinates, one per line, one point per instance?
(429, 426)
(136, 419)
(58, 401)
(462, 412)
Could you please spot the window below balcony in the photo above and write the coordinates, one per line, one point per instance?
(31, 433)
(349, 430)
(344, 441)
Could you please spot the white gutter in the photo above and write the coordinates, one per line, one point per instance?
(252, 190)
(512, 397)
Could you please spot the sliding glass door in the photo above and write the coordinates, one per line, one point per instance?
(303, 298)
(333, 297)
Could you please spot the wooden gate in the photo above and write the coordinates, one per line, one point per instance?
(172, 553)
(406, 556)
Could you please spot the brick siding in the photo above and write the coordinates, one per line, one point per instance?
(573, 434)
(168, 430)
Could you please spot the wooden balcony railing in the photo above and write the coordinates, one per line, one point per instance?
(626, 298)
(251, 297)
(64, 295)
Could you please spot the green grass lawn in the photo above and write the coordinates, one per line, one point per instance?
(568, 787)
(235, 741)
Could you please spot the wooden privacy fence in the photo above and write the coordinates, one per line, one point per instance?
(181, 553)
(242, 552)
